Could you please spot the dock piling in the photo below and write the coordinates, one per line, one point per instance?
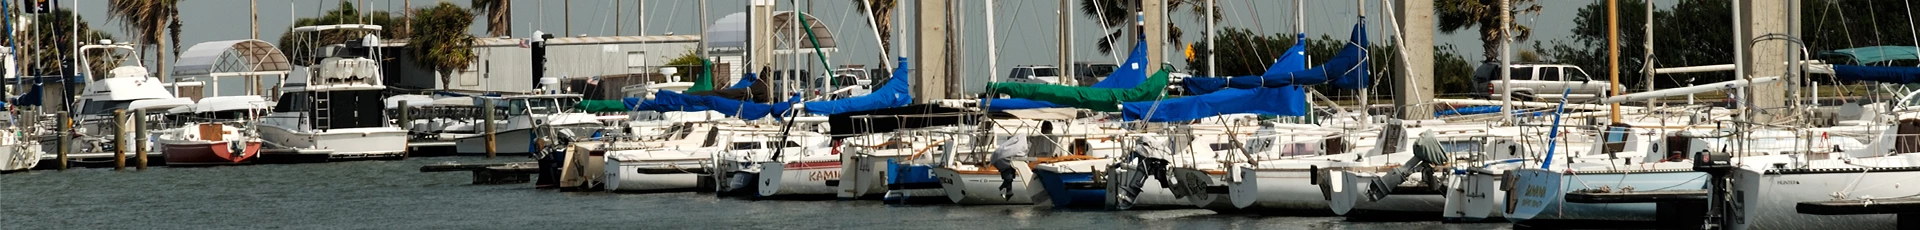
(119, 140)
(406, 124)
(140, 139)
(66, 137)
(486, 107)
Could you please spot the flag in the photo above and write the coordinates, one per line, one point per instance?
(524, 44)
(593, 80)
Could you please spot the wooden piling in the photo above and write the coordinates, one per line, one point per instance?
(406, 123)
(140, 139)
(119, 139)
(486, 107)
(66, 137)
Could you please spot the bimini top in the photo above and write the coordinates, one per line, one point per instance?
(1876, 54)
(231, 103)
(337, 27)
(231, 58)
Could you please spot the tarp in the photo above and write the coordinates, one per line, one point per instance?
(755, 91)
(894, 94)
(1127, 75)
(1883, 74)
(1282, 101)
(1347, 69)
(1876, 54)
(1294, 59)
(746, 80)
(704, 81)
(602, 106)
(1484, 109)
(31, 98)
(1097, 99)
(666, 101)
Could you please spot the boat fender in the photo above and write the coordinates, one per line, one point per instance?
(1313, 174)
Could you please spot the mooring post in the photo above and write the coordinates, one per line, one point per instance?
(66, 137)
(487, 108)
(140, 139)
(119, 139)
(406, 124)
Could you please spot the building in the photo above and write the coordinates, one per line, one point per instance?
(505, 65)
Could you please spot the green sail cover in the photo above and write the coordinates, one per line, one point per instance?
(705, 81)
(1097, 99)
(602, 106)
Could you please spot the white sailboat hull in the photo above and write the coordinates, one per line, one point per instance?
(374, 142)
(984, 189)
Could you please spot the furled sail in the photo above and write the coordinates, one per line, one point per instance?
(1127, 75)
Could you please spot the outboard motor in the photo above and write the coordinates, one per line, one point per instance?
(1149, 158)
(1426, 154)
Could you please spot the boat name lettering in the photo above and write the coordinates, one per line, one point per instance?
(823, 176)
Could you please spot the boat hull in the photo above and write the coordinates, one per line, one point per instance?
(1071, 190)
(207, 153)
(1770, 198)
(1539, 195)
(638, 176)
(802, 179)
(906, 182)
(338, 144)
(982, 187)
(19, 157)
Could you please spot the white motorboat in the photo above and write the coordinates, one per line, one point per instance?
(214, 131)
(18, 151)
(127, 88)
(337, 112)
(527, 117)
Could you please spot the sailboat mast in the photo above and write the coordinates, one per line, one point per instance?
(1066, 48)
(1211, 31)
(1647, 60)
(993, 57)
(1366, 113)
(887, 63)
(1506, 60)
(1613, 58)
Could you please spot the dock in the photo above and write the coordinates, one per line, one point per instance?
(495, 173)
(1907, 210)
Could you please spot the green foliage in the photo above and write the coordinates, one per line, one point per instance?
(1686, 44)
(440, 40)
(1832, 25)
(1244, 53)
(299, 47)
(1121, 17)
(499, 14)
(1452, 73)
(56, 30)
(1457, 15)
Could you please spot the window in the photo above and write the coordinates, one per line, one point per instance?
(1521, 73)
(291, 102)
(1046, 72)
(636, 60)
(760, 145)
(1549, 73)
(103, 107)
(1577, 75)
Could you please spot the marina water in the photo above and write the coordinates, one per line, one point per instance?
(395, 195)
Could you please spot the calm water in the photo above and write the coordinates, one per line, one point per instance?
(395, 195)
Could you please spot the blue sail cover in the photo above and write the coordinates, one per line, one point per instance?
(1347, 69)
(1125, 76)
(1295, 59)
(894, 94)
(31, 98)
(1883, 74)
(1283, 101)
(666, 101)
(746, 80)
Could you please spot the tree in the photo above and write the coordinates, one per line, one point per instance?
(299, 47)
(1832, 25)
(1243, 53)
(499, 14)
(56, 29)
(687, 63)
(440, 40)
(144, 20)
(1118, 17)
(882, 18)
(1690, 45)
(1457, 15)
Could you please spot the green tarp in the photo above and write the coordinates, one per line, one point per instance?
(705, 81)
(602, 106)
(1097, 99)
(1875, 54)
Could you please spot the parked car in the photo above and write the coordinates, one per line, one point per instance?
(1085, 74)
(1038, 74)
(1539, 81)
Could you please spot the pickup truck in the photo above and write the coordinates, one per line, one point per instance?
(1539, 81)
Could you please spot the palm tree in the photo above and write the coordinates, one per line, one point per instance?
(882, 17)
(1457, 15)
(1118, 16)
(145, 20)
(440, 39)
(499, 13)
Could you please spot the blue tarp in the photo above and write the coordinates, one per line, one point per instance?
(1125, 76)
(1283, 101)
(665, 101)
(1347, 69)
(1883, 74)
(1485, 109)
(894, 94)
(746, 80)
(1295, 59)
(31, 98)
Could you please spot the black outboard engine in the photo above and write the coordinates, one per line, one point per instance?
(1426, 153)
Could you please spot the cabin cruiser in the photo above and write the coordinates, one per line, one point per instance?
(126, 88)
(336, 112)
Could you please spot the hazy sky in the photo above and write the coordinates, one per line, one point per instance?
(1027, 29)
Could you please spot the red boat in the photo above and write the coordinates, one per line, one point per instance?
(208, 144)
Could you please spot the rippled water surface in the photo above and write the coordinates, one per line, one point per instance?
(395, 195)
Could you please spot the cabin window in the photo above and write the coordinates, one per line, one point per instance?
(760, 145)
(103, 107)
(291, 102)
(636, 61)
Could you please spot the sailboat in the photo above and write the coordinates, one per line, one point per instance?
(22, 152)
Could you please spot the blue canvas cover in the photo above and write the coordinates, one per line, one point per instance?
(1127, 75)
(1282, 101)
(1882, 74)
(1347, 69)
(894, 94)
(31, 98)
(665, 101)
(1294, 59)
(1485, 109)
(746, 80)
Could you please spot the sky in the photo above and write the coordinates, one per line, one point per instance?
(1026, 30)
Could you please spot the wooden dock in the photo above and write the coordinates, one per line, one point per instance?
(495, 173)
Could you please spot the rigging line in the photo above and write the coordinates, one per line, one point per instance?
(1910, 27)
(1099, 9)
(1008, 31)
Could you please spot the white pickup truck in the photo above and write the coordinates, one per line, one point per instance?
(1539, 81)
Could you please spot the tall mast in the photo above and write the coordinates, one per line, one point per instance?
(1647, 60)
(1365, 107)
(993, 56)
(887, 63)
(1066, 44)
(704, 53)
(1506, 60)
(1211, 30)
(1613, 58)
